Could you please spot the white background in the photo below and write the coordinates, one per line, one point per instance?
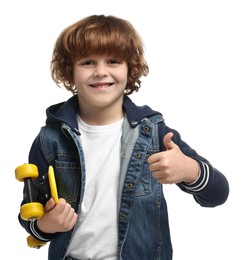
(195, 51)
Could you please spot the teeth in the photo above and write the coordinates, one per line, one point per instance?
(102, 86)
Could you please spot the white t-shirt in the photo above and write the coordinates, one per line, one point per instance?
(96, 235)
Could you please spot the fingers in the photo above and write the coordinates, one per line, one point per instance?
(60, 217)
(49, 205)
(63, 208)
(65, 215)
(168, 143)
(164, 165)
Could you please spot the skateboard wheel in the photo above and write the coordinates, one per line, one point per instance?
(34, 243)
(26, 171)
(32, 210)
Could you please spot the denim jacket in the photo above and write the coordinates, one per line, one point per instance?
(143, 226)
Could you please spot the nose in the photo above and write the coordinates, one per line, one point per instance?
(100, 70)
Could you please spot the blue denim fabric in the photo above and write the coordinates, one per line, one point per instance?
(143, 225)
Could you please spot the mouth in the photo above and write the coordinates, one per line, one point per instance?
(103, 85)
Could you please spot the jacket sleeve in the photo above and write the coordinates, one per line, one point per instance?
(211, 189)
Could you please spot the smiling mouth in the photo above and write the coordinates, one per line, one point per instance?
(101, 85)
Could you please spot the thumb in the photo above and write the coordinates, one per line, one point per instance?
(49, 205)
(167, 141)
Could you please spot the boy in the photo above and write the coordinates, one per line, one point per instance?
(111, 157)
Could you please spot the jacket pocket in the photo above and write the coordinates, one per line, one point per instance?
(144, 184)
(68, 180)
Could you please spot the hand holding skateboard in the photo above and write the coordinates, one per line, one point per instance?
(33, 210)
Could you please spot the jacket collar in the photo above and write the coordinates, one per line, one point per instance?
(65, 112)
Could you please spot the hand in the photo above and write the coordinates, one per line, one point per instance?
(172, 166)
(60, 217)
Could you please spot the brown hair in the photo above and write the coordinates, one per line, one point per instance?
(98, 34)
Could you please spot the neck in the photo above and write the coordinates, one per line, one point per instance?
(101, 116)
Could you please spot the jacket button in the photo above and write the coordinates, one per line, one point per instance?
(146, 129)
(123, 216)
(137, 155)
(130, 185)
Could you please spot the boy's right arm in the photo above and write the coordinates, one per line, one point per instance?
(46, 227)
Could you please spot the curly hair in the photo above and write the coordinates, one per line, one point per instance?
(99, 34)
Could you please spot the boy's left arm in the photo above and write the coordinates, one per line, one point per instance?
(211, 189)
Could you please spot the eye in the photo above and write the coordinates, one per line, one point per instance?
(86, 63)
(113, 61)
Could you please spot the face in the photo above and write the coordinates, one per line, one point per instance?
(100, 81)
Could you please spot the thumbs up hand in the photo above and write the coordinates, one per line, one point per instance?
(172, 166)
